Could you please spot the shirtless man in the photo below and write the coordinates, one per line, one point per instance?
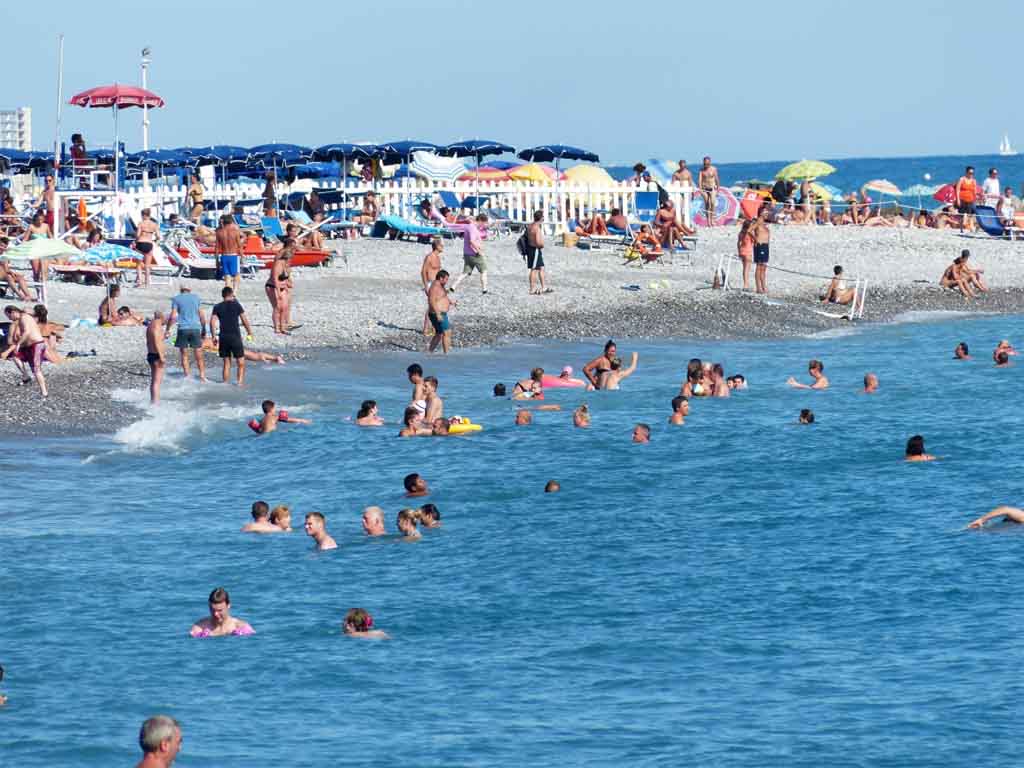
(272, 417)
(370, 209)
(419, 400)
(762, 238)
(435, 405)
(617, 220)
(155, 355)
(837, 292)
(27, 345)
(817, 370)
(316, 529)
(709, 183)
(600, 364)
(261, 520)
(438, 305)
(14, 280)
(373, 521)
(145, 238)
(1009, 515)
(961, 352)
(228, 249)
(870, 384)
(641, 433)
(412, 424)
(415, 485)
(428, 271)
(683, 175)
(680, 410)
(614, 377)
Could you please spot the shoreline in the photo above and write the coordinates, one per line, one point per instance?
(374, 303)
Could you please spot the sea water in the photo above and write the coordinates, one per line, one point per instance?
(742, 591)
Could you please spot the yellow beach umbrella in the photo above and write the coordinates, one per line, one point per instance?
(805, 169)
(820, 193)
(589, 175)
(532, 172)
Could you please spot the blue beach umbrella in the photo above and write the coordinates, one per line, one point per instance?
(401, 151)
(477, 149)
(279, 154)
(545, 153)
(106, 253)
(340, 152)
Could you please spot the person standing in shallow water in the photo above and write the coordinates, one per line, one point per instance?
(438, 305)
(160, 740)
(220, 622)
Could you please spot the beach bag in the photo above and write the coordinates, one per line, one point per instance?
(522, 246)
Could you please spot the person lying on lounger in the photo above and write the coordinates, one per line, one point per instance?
(645, 245)
(593, 226)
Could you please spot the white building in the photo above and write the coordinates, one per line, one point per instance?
(16, 128)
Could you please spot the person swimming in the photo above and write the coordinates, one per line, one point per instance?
(368, 415)
(961, 352)
(817, 370)
(915, 450)
(407, 524)
(430, 516)
(220, 622)
(1009, 515)
(359, 623)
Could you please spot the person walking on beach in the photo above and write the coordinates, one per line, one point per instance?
(227, 315)
(228, 250)
(438, 305)
(186, 309)
(145, 239)
(195, 194)
(709, 183)
(473, 253)
(762, 238)
(428, 272)
(535, 254)
(27, 345)
(155, 355)
(966, 196)
(160, 740)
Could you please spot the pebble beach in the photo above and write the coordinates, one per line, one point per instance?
(369, 298)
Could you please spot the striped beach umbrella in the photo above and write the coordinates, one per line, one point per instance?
(427, 165)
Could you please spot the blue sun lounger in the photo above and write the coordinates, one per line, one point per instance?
(396, 228)
(988, 221)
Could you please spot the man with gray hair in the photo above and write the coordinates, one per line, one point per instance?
(373, 521)
(160, 739)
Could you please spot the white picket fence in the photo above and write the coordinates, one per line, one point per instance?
(559, 202)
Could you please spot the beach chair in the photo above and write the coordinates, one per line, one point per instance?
(988, 221)
(645, 207)
(272, 227)
(398, 228)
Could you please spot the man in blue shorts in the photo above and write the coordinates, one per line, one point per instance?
(438, 305)
(186, 309)
(227, 315)
(228, 250)
(762, 238)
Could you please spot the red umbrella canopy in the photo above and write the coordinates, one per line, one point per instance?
(116, 95)
(946, 194)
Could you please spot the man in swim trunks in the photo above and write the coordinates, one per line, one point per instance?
(535, 253)
(155, 355)
(186, 309)
(641, 433)
(683, 175)
(260, 520)
(817, 370)
(600, 364)
(415, 485)
(228, 314)
(680, 410)
(762, 237)
(709, 183)
(966, 197)
(160, 739)
(373, 521)
(228, 249)
(145, 237)
(435, 405)
(612, 378)
(473, 253)
(27, 345)
(428, 272)
(438, 305)
(316, 529)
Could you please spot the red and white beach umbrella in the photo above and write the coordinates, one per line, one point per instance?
(116, 97)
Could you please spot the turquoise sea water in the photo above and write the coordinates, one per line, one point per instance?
(743, 591)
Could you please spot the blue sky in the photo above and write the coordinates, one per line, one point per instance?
(738, 81)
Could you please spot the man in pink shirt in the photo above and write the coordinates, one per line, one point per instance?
(473, 252)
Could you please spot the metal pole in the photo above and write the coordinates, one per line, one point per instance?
(117, 155)
(145, 116)
(60, 102)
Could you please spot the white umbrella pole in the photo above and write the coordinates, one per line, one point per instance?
(117, 158)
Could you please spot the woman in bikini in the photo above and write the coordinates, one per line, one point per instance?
(745, 249)
(278, 289)
(220, 623)
(39, 230)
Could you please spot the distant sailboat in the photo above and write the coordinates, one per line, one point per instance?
(1004, 147)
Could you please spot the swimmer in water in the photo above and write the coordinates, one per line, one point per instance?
(412, 420)
(552, 486)
(359, 623)
(415, 486)
(736, 381)
(260, 520)
(3, 699)
(680, 410)
(611, 379)
(961, 352)
(368, 415)
(600, 364)
(272, 417)
(915, 450)
(523, 418)
(316, 529)
(641, 433)
(525, 389)
(419, 402)
(220, 623)
(499, 390)
(1009, 514)
(806, 416)
(373, 521)
(581, 416)
(692, 386)
(1002, 359)
(406, 525)
(429, 516)
(281, 516)
(870, 384)
(439, 428)
(1004, 346)
(817, 370)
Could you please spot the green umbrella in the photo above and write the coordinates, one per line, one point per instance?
(40, 248)
(805, 169)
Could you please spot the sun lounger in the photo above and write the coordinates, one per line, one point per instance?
(8, 290)
(988, 221)
(396, 227)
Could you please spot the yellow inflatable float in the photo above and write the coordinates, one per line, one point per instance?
(459, 425)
